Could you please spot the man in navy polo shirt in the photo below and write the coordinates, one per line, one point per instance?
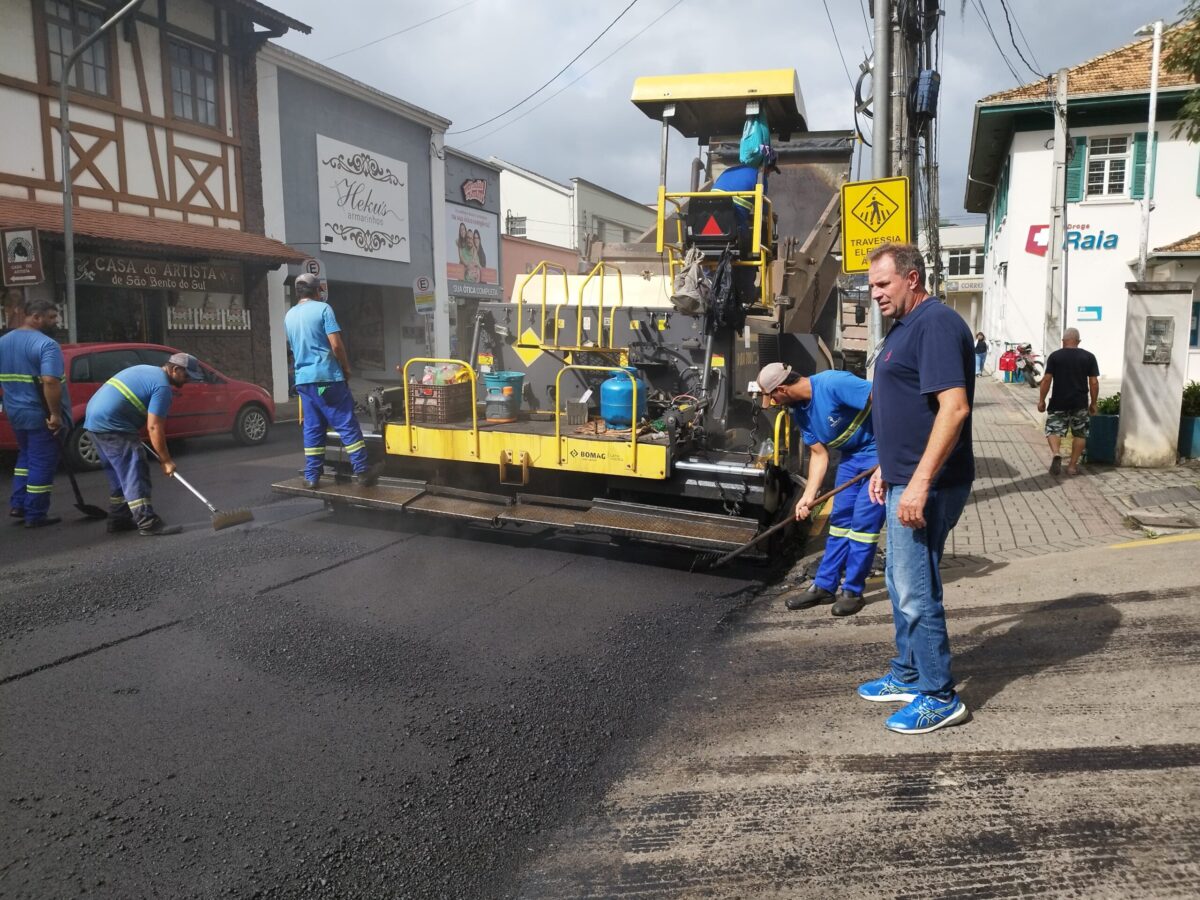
(923, 390)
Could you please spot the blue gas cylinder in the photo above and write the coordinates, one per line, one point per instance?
(616, 400)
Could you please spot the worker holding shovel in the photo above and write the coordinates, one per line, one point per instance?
(35, 399)
(136, 397)
(833, 412)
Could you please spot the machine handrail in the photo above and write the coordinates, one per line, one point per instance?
(760, 200)
(600, 268)
(558, 410)
(412, 447)
(543, 267)
(784, 415)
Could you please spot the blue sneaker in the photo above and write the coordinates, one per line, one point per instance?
(927, 713)
(887, 690)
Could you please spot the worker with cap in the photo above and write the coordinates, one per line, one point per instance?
(135, 398)
(33, 381)
(322, 372)
(833, 412)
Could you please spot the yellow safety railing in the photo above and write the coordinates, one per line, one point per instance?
(541, 268)
(558, 410)
(407, 397)
(601, 269)
(783, 417)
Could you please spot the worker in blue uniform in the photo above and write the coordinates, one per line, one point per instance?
(322, 372)
(137, 397)
(833, 412)
(33, 380)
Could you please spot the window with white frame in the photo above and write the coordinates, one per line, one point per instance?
(1108, 166)
(68, 24)
(193, 82)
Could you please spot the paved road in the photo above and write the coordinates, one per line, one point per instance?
(316, 707)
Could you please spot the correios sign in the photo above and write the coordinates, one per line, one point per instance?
(1078, 238)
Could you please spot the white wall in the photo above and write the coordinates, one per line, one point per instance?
(1015, 279)
(548, 209)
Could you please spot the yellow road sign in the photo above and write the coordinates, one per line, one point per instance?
(873, 213)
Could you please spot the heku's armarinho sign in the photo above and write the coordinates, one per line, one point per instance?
(873, 213)
(363, 201)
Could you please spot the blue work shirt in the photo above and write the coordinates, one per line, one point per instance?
(308, 325)
(125, 400)
(25, 356)
(928, 350)
(838, 401)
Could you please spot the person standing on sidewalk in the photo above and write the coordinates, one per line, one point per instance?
(1075, 377)
(322, 373)
(33, 381)
(981, 351)
(833, 412)
(923, 392)
(136, 397)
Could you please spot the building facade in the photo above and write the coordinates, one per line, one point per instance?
(962, 270)
(358, 181)
(168, 215)
(1010, 179)
(475, 268)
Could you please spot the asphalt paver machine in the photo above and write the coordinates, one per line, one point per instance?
(635, 412)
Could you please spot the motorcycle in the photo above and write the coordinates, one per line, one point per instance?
(1027, 362)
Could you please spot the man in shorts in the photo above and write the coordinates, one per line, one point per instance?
(1072, 381)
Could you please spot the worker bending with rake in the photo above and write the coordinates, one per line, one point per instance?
(833, 412)
(135, 398)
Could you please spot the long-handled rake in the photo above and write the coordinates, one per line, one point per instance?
(226, 519)
(779, 526)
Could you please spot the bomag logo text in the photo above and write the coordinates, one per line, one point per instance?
(589, 454)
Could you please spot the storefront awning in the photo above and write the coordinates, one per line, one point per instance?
(144, 233)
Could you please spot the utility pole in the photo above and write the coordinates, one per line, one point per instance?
(1056, 250)
(1151, 146)
(881, 160)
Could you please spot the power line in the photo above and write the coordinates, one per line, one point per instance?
(845, 68)
(401, 31)
(862, 5)
(988, 25)
(632, 4)
(581, 76)
(1025, 40)
(1013, 39)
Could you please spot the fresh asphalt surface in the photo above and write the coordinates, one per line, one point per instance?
(319, 706)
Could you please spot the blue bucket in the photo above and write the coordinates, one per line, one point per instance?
(502, 395)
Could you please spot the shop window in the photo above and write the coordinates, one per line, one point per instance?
(1108, 166)
(193, 82)
(68, 24)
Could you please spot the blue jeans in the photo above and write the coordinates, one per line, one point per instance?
(854, 526)
(915, 585)
(980, 359)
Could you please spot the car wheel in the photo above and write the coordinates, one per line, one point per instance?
(81, 450)
(251, 425)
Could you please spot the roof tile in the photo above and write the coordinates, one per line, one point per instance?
(1189, 244)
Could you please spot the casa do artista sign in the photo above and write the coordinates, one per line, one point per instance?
(104, 270)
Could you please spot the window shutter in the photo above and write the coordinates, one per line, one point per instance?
(1075, 170)
(1139, 166)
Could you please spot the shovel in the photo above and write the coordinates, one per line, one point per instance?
(219, 519)
(91, 512)
(779, 526)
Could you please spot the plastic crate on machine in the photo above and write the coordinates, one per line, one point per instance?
(439, 404)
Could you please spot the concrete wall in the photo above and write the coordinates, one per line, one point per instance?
(604, 216)
(548, 208)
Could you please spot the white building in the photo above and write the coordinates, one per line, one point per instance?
(1010, 178)
(962, 270)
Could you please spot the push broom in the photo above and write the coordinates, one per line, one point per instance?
(220, 519)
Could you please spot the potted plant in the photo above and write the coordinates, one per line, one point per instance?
(1102, 430)
(1189, 422)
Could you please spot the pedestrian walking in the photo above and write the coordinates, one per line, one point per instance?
(981, 352)
(923, 392)
(135, 398)
(833, 412)
(1072, 380)
(322, 372)
(33, 381)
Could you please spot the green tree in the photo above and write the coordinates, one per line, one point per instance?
(1183, 56)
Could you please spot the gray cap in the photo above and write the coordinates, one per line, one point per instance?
(188, 363)
(772, 376)
(311, 283)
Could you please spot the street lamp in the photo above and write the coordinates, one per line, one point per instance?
(1154, 28)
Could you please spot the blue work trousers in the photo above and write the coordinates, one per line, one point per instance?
(324, 406)
(38, 452)
(854, 526)
(915, 584)
(128, 472)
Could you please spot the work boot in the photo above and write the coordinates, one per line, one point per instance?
(43, 522)
(17, 516)
(312, 483)
(809, 598)
(848, 603)
(156, 527)
(368, 476)
(118, 524)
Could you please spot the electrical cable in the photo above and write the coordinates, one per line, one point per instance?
(401, 31)
(988, 25)
(1012, 38)
(591, 44)
(838, 44)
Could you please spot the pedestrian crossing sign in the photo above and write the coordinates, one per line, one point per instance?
(873, 213)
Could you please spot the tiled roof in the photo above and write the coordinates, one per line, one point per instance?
(1189, 244)
(1124, 69)
(142, 232)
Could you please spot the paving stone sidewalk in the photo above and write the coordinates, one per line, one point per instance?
(1017, 509)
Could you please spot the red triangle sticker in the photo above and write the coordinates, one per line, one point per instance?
(711, 228)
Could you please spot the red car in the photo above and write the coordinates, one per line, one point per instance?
(215, 405)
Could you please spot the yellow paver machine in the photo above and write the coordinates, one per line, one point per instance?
(620, 399)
